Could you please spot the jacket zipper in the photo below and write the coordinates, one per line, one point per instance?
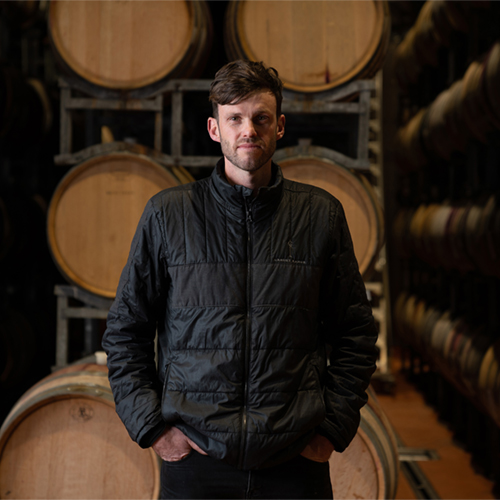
(246, 354)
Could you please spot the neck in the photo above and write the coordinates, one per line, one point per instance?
(253, 180)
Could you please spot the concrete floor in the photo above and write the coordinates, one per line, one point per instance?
(417, 425)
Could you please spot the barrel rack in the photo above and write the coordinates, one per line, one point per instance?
(95, 308)
(454, 300)
(152, 100)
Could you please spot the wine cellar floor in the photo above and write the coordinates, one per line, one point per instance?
(450, 475)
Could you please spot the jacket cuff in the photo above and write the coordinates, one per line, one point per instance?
(326, 430)
(151, 435)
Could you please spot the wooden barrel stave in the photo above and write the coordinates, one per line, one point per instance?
(471, 361)
(64, 430)
(171, 39)
(410, 153)
(279, 33)
(94, 212)
(492, 82)
(369, 467)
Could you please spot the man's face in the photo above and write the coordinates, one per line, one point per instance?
(248, 131)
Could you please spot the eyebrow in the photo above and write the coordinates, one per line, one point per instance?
(258, 112)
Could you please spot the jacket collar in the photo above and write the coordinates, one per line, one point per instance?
(236, 199)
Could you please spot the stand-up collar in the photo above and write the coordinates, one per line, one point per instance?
(236, 198)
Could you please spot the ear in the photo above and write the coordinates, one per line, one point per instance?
(280, 127)
(213, 129)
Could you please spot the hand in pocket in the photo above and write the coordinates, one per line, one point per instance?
(173, 445)
(318, 449)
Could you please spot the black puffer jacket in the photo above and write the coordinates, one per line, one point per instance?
(248, 295)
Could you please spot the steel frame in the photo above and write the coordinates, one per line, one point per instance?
(151, 100)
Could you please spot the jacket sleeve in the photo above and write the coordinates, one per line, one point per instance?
(130, 334)
(350, 333)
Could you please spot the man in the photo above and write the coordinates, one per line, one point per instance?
(251, 280)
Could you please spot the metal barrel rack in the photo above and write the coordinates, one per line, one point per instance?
(355, 98)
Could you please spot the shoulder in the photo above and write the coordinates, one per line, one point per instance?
(174, 195)
(316, 195)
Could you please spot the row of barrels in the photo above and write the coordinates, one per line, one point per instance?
(468, 355)
(468, 110)
(65, 430)
(465, 237)
(433, 29)
(173, 39)
(97, 205)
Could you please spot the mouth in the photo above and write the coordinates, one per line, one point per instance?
(248, 146)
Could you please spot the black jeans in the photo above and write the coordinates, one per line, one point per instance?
(199, 476)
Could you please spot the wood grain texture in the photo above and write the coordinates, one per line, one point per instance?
(63, 439)
(94, 212)
(122, 44)
(314, 45)
(369, 467)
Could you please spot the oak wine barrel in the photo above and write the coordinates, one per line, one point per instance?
(363, 211)
(492, 83)
(94, 212)
(409, 146)
(129, 44)
(463, 237)
(474, 102)
(454, 347)
(63, 439)
(433, 29)
(368, 468)
(472, 356)
(315, 46)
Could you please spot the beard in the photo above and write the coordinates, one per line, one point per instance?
(250, 161)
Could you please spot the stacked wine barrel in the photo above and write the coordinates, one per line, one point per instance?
(468, 110)
(433, 29)
(94, 212)
(65, 428)
(130, 45)
(71, 414)
(465, 236)
(66, 433)
(447, 233)
(468, 355)
(315, 46)
(97, 205)
(369, 467)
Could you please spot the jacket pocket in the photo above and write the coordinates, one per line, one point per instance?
(318, 386)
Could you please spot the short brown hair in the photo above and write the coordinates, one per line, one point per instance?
(237, 80)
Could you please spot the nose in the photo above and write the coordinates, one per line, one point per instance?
(249, 129)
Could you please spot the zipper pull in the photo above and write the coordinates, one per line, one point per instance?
(249, 212)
